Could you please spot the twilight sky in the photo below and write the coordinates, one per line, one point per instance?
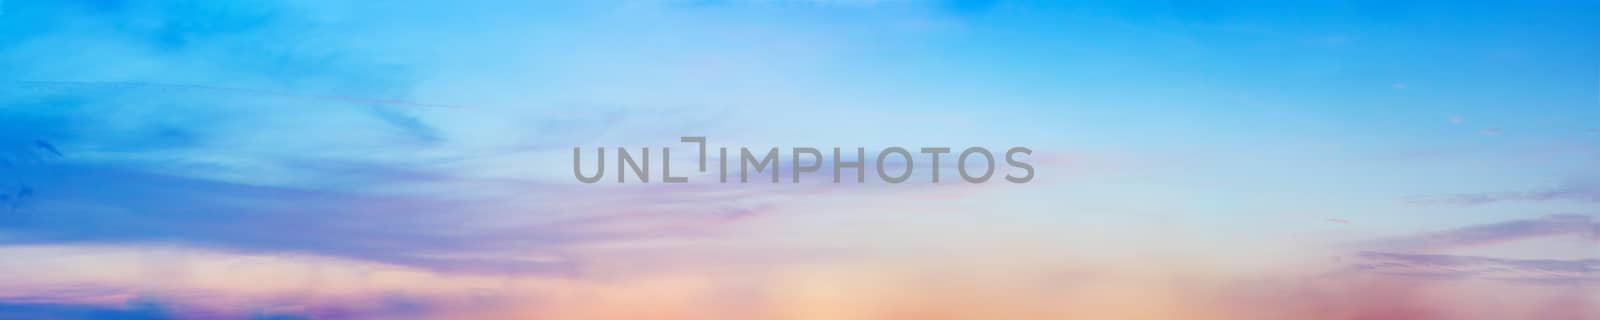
(411, 160)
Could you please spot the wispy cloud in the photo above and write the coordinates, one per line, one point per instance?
(1552, 271)
(1415, 256)
(416, 229)
(1584, 227)
(1583, 191)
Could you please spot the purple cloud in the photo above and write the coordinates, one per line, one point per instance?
(1581, 191)
(1549, 226)
(85, 204)
(1450, 266)
(1405, 256)
(194, 306)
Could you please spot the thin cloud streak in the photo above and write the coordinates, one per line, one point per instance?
(1584, 227)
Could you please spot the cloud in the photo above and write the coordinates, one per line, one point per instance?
(409, 124)
(1583, 191)
(1486, 234)
(1493, 131)
(235, 91)
(84, 204)
(1409, 256)
(255, 128)
(1552, 271)
(385, 306)
(132, 311)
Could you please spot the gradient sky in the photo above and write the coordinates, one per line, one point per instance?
(1196, 160)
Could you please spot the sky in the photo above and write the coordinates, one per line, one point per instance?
(413, 160)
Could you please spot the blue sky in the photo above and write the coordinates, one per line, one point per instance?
(434, 138)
